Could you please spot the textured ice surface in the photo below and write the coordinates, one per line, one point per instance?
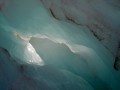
(44, 48)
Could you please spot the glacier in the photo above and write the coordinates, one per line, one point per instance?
(59, 45)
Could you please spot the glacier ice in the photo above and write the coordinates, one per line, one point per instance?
(59, 44)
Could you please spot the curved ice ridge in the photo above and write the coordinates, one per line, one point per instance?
(30, 52)
(73, 47)
(19, 47)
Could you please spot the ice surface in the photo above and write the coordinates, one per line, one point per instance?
(39, 52)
